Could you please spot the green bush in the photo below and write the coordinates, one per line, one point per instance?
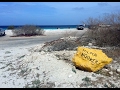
(28, 30)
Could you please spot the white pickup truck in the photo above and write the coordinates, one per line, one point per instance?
(2, 32)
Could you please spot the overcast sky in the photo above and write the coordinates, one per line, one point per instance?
(53, 13)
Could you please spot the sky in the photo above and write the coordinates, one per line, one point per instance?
(53, 13)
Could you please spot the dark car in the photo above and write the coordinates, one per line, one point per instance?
(2, 32)
(80, 27)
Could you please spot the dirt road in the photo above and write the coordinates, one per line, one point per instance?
(8, 41)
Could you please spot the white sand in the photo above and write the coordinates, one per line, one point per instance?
(47, 32)
(8, 32)
(53, 31)
(44, 66)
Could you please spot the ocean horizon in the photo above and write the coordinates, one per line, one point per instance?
(50, 27)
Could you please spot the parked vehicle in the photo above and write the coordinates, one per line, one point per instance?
(2, 32)
(80, 27)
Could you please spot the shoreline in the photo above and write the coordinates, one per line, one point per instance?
(50, 31)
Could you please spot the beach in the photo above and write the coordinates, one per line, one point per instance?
(25, 66)
(54, 31)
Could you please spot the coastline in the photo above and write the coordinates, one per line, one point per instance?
(52, 31)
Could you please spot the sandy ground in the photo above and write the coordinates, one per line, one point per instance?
(50, 32)
(27, 67)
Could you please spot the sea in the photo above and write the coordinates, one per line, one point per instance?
(45, 27)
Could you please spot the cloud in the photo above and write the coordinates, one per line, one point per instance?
(103, 4)
(78, 8)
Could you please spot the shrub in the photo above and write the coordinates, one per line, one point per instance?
(105, 31)
(64, 45)
(28, 30)
(11, 27)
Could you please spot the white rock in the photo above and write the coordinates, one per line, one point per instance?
(70, 76)
(118, 70)
(89, 44)
(105, 70)
(111, 73)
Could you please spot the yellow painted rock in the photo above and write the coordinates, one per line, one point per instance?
(90, 59)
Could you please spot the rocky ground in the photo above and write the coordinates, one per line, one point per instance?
(50, 66)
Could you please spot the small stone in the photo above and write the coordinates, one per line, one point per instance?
(89, 44)
(111, 73)
(105, 70)
(118, 70)
(70, 76)
(93, 75)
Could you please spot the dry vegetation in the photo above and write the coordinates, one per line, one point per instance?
(28, 30)
(105, 35)
(100, 36)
